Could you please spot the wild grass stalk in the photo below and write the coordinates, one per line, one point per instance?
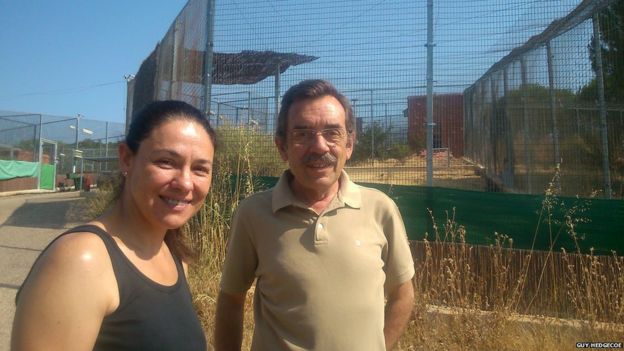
(468, 297)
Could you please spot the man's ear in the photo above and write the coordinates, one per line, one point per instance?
(280, 142)
(125, 157)
(351, 141)
(350, 144)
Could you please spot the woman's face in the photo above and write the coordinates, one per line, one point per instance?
(169, 176)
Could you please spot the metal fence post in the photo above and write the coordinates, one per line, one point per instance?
(602, 107)
(277, 89)
(509, 166)
(525, 126)
(553, 107)
(491, 167)
(208, 57)
(373, 124)
(429, 92)
(106, 149)
(40, 154)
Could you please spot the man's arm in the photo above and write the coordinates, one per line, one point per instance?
(398, 312)
(229, 322)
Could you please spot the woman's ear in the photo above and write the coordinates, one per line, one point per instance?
(125, 157)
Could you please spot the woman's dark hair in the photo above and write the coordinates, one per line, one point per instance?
(312, 89)
(143, 123)
(156, 113)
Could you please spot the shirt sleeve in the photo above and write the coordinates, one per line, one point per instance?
(399, 265)
(241, 259)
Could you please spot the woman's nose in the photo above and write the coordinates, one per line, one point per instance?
(183, 180)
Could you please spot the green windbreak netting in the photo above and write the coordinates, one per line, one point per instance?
(17, 169)
(484, 213)
(46, 181)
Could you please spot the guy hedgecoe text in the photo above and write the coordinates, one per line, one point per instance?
(598, 345)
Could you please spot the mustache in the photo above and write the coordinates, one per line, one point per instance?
(325, 158)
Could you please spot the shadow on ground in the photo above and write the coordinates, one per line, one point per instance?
(51, 215)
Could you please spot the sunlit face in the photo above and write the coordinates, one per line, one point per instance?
(316, 164)
(169, 176)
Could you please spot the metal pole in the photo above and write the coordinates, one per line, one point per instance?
(553, 105)
(249, 108)
(266, 114)
(209, 57)
(602, 107)
(491, 134)
(55, 151)
(34, 149)
(430, 123)
(277, 90)
(129, 99)
(175, 85)
(508, 168)
(106, 148)
(40, 152)
(218, 113)
(386, 122)
(373, 124)
(76, 143)
(525, 120)
(81, 172)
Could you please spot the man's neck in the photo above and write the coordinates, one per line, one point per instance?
(317, 199)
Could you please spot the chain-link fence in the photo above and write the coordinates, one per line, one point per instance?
(376, 52)
(174, 70)
(556, 100)
(71, 145)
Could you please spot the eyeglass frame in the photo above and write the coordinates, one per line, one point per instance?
(309, 138)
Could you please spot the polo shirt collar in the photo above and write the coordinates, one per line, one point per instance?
(348, 194)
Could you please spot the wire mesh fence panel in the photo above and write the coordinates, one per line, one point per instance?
(19, 136)
(559, 110)
(515, 84)
(73, 145)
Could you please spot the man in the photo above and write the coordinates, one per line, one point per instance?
(325, 253)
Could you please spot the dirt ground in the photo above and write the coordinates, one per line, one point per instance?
(448, 171)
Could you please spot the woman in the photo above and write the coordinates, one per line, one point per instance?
(118, 282)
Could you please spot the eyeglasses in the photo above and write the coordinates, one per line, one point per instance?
(332, 136)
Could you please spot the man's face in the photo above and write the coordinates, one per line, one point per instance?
(317, 144)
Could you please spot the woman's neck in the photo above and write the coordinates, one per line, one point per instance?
(128, 225)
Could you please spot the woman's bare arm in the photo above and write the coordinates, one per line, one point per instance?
(62, 304)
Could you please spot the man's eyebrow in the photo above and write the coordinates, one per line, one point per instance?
(327, 126)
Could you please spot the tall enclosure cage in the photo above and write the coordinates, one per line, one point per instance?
(518, 87)
(50, 152)
(557, 100)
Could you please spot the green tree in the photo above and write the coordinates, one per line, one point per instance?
(371, 143)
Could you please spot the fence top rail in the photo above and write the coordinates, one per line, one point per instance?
(557, 27)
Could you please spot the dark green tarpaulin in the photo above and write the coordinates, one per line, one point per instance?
(46, 181)
(18, 169)
(484, 213)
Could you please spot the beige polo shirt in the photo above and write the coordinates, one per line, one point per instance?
(320, 278)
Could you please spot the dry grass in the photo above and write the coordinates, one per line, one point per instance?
(468, 297)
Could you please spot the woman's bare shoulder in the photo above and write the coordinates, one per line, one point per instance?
(78, 250)
(69, 291)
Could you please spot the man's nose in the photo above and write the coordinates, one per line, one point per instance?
(319, 143)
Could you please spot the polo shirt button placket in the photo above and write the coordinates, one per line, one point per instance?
(320, 233)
